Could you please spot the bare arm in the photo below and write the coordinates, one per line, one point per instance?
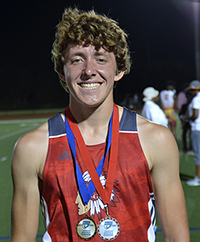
(27, 164)
(163, 157)
(195, 114)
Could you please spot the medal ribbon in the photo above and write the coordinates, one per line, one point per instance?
(73, 133)
(86, 192)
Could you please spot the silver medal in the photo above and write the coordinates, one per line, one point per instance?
(108, 228)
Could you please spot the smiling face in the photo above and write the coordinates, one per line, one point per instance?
(90, 75)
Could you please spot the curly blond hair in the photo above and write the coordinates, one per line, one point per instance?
(81, 27)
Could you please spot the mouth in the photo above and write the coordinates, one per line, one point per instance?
(90, 86)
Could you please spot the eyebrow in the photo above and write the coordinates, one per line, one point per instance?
(100, 53)
(97, 53)
(78, 53)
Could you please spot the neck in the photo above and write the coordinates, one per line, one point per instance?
(93, 123)
(93, 116)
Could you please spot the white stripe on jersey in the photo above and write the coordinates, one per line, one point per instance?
(46, 237)
(128, 132)
(45, 214)
(151, 230)
(56, 136)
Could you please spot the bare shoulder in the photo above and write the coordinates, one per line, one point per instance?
(30, 150)
(156, 140)
(152, 130)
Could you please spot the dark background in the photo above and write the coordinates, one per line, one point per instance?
(161, 39)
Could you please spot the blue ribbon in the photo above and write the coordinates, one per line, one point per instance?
(86, 192)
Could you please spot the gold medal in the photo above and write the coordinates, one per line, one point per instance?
(86, 228)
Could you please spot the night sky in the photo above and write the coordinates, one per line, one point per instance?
(161, 40)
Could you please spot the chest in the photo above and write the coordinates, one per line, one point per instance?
(131, 162)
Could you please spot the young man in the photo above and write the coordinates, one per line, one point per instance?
(96, 167)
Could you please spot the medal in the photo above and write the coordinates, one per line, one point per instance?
(86, 228)
(108, 228)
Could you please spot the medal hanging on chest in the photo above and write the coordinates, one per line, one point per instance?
(86, 227)
(108, 228)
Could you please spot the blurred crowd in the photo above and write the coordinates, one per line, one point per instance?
(165, 107)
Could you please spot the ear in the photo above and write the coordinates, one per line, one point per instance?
(62, 77)
(119, 75)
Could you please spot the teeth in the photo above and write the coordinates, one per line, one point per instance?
(90, 85)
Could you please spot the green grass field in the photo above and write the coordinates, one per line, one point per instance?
(11, 130)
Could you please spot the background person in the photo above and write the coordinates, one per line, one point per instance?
(118, 174)
(183, 100)
(151, 109)
(168, 103)
(194, 118)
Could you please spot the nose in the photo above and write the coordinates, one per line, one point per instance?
(89, 68)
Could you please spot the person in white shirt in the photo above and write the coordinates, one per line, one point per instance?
(194, 118)
(168, 103)
(151, 110)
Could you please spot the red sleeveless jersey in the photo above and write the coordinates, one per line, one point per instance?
(131, 202)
